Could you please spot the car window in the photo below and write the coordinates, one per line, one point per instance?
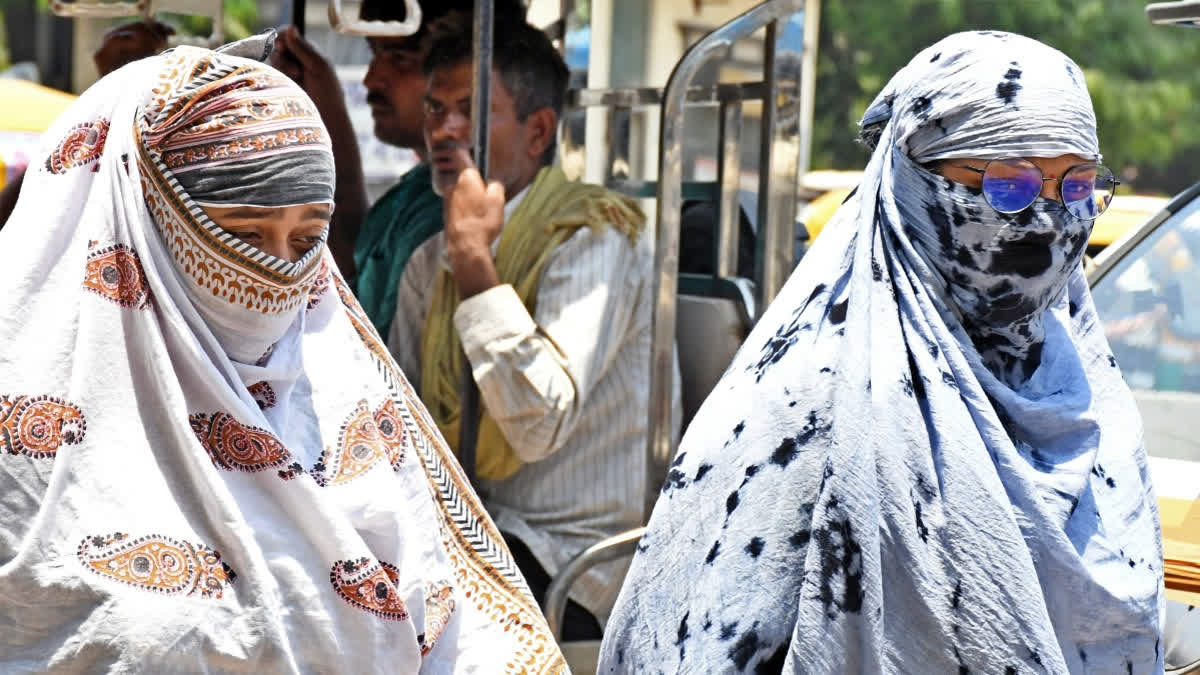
(1149, 304)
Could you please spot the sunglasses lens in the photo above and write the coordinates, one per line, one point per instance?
(1087, 190)
(1010, 185)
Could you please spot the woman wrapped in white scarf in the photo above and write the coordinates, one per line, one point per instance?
(924, 458)
(208, 460)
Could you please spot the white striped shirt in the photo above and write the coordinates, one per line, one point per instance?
(569, 388)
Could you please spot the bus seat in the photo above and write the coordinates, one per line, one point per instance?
(582, 656)
(713, 317)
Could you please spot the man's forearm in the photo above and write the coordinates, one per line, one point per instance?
(524, 379)
(474, 272)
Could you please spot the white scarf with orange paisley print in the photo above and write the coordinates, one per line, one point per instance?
(168, 508)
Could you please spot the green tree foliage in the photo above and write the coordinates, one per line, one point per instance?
(1144, 79)
(241, 18)
(5, 57)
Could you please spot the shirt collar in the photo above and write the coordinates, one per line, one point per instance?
(516, 200)
(509, 209)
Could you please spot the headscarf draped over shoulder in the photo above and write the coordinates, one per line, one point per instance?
(924, 458)
(209, 459)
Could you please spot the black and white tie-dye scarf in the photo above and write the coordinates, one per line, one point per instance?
(924, 458)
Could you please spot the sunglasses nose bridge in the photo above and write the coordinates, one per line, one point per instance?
(1051, 188)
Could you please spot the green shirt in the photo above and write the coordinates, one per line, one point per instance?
(396, 225)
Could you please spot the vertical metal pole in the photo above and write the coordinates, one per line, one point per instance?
(298, 9)
(597, 162)
(659, 447)
(614, 150)
(481, 107)
(481, 96)
(729, 162)
(808, 82)
(779, 160)
(766, 268)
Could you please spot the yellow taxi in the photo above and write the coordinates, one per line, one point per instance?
(33, 108)
(1146, 288)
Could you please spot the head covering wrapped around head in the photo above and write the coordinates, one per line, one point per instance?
(223, 131)
(210, 447)
(984, 94)
(972, 96)
(923, 459)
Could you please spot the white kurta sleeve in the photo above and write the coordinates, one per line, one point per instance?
(535, 372)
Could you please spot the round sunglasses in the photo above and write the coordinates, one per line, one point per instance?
(1012, 185)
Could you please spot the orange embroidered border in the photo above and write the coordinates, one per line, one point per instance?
(503, 598)
(248, 112)
(210, 152)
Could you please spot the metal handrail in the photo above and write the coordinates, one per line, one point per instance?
(613, 548)
(1181, 12)
(352, 26)
(630, 97)
(145, 9)
(1189, 669)
(670, 201)
(100, 10)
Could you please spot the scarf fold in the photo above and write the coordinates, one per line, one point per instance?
(552, 211)
(224, 131)
(866, 490)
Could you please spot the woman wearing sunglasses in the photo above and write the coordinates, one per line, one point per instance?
(209, 463)
(924, 459)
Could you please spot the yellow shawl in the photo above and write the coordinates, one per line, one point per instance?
(549, 214)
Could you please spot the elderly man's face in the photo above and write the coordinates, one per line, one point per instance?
(514, 156)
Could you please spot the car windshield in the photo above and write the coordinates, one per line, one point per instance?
(1149, 303)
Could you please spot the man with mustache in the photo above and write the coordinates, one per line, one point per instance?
(372, 245)
(546, 285)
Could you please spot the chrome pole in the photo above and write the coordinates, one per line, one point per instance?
(670, 198)
(729, 164)
(779, 155)
(481, 107)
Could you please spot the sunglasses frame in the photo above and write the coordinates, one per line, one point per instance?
(983, 172)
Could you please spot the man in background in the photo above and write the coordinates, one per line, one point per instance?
(372, 245)
(546, 286)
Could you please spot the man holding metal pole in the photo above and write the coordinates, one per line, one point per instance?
(545, 284)
(372, 243)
